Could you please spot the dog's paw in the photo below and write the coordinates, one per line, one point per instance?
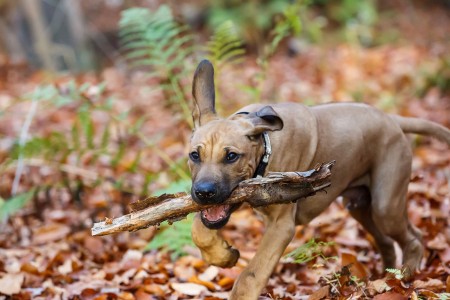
(226, 258)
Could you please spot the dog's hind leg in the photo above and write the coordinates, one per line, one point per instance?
(389, 184)
(215, 250)
(358, 202)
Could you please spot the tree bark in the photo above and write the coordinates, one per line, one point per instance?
(276, 188)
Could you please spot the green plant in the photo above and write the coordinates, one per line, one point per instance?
(444, 296)
(14, 204)
(253, 18)
(225, 45)
(65, 149)
(224, 48)
(357, 19)
(288, 23)
(173, 238)
(398, 274)
(310, 251)
(154, 40)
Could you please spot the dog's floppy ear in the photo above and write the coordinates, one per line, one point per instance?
(204, 95)
(265, 119)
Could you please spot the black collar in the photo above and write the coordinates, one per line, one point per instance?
(261, 168)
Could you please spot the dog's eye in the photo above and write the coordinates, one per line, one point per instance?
(194, 156)
(232, 157)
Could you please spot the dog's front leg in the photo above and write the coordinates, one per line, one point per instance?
(215, 250)
(280, 230)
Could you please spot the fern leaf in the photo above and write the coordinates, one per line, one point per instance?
(225, 45)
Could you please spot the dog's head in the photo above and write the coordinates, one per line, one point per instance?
(223, 152)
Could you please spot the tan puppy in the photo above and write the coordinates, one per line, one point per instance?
(372, 172)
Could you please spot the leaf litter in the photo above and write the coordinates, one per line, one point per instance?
(46, 250)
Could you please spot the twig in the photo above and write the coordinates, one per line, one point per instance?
(22, 139)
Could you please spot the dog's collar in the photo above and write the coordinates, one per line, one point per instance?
(261, 169)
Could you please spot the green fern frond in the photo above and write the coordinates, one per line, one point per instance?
(174, 238)
(225, 45)
(153, 39)
(398, 274)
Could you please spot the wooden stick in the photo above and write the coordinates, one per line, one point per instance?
(276, 188)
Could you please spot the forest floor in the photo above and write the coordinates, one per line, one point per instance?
(47, 251)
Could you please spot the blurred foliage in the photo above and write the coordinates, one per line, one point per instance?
(309, 251)
(14, 204)
(65, 149)
(439, 78)
(225, 46)
(254, 19)
(174, 238)
(155, 40)
(357, 18)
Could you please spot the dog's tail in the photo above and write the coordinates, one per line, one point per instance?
(425, 127)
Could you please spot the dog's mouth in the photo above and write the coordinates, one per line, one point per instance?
(217, 216)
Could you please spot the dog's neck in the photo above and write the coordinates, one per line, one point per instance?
(261, 168)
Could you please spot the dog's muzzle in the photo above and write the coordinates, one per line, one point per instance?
(207, 193)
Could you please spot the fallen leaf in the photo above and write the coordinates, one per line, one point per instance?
(226, 283)
(189, 289)
(50, 233)
(377, 286)
(66, 267)
(390, 296)
(321, 293)
(141, 294)
(154, 289)
(209, 274)
(356, 268)
(438, 243)
(430, 284)
(11, 283)
(131, 259)
(208, 284)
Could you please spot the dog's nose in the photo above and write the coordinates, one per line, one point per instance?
(205, 191)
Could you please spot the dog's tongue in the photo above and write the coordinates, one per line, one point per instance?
(216, 213)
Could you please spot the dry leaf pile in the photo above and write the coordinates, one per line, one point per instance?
(46, 250)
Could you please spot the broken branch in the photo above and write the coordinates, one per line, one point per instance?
(276, 188)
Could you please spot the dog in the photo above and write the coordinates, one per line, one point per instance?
(372, 171)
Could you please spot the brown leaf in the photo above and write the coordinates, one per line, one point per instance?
(321, 293)
(356, 268)
(93, 245)
(50, 233)
(390, 296)
(131, 259)
(207, 284)
(377, 286)
(438, 243)
(154, 289)
(11, 283)
(209, 274)
(226, 283)
(140, 294)
(189, 289)
(430, 284)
